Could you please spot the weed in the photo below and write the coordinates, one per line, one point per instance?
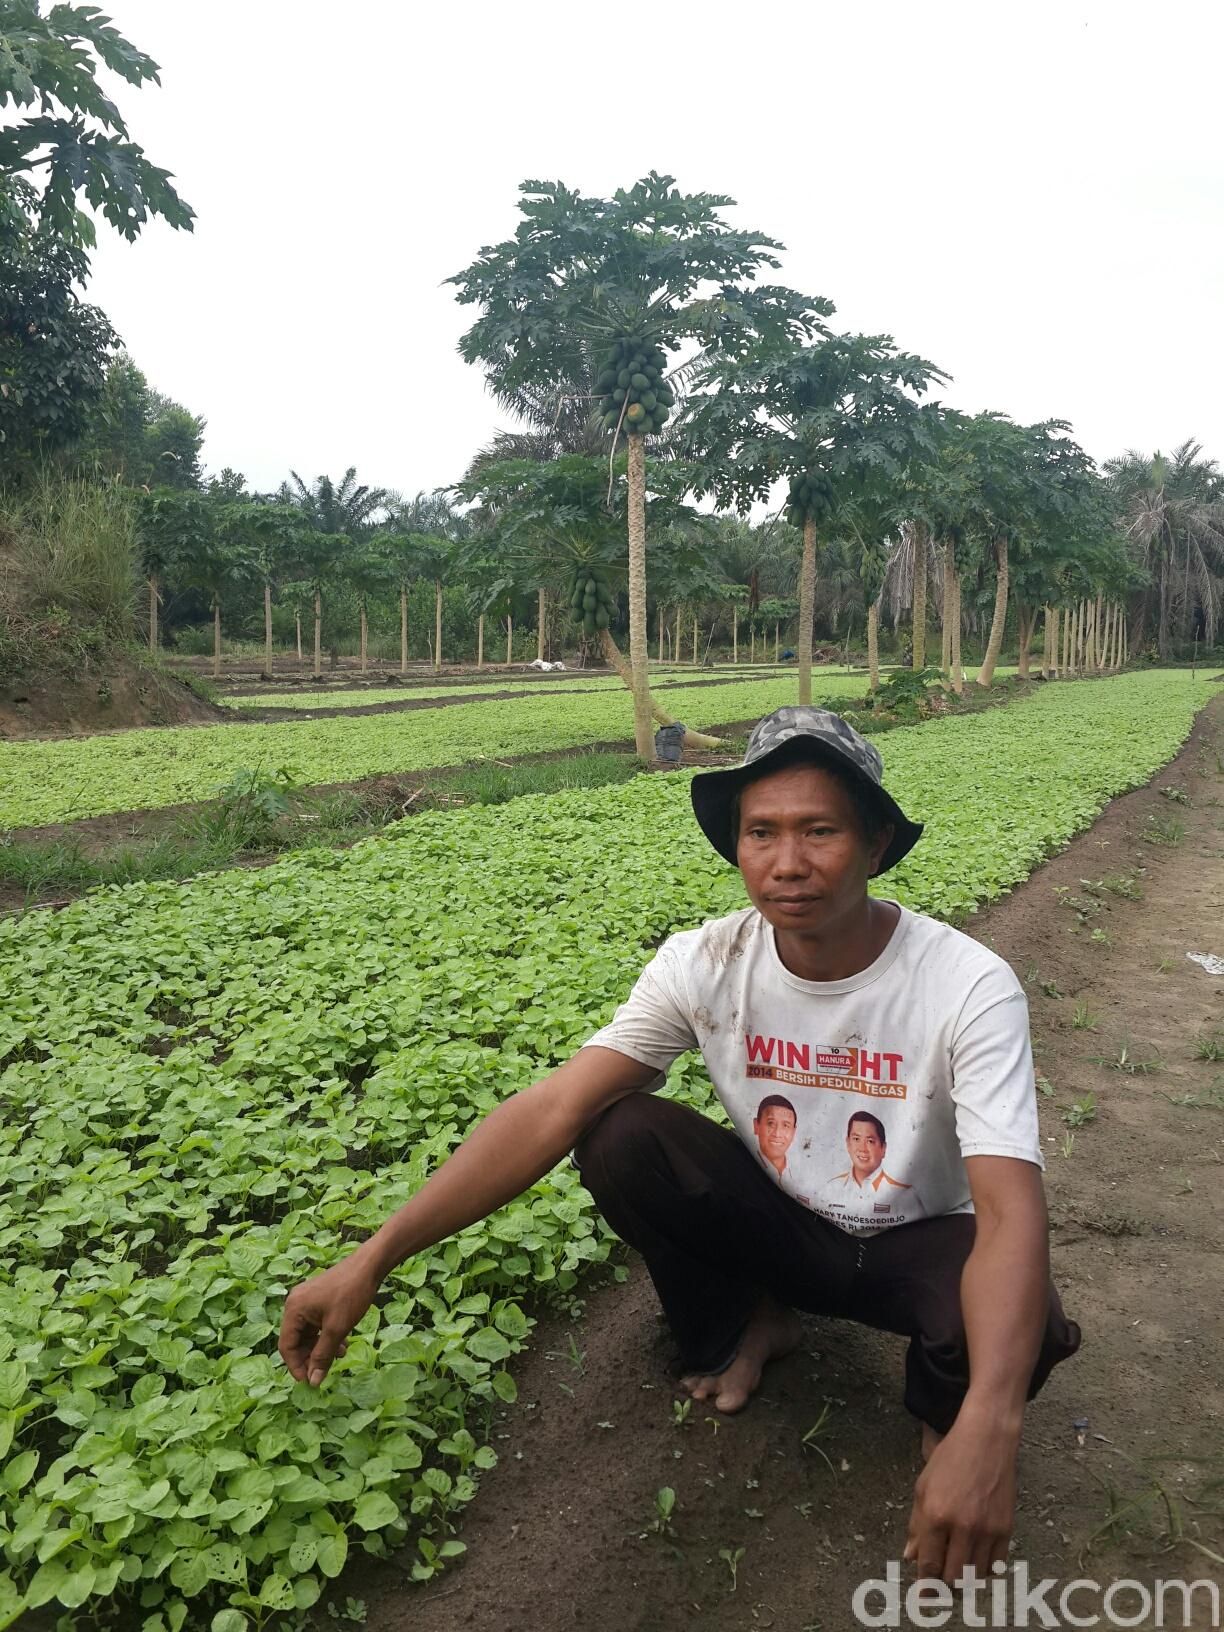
(1168, 832)
(1050, 988)
(1081, 1113)
(1068, 1144)
(1127, 1060)
(732, 1557)
(1163, 965)
(1100, 937)
(1123, 884)
(354, 1611)
(1206, 1099)
(817, 1431)
(1084, 1019)
(1210, 1048)
(1045, 1087)
(1178, 795)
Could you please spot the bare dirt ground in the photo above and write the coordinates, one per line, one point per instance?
(1123, 1445)
(118, 696)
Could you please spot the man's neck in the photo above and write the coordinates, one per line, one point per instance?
(845, 948)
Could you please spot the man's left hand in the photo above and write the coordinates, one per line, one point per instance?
(964, 1505)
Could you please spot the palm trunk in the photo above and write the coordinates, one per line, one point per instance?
(696, 640)
(297, 624)
(614, 655)
(365, 636)
(542, 621)
(318, 635)
(509, 639)
(734, 633)
(807, 607)
(1098, 635)
(1024, 629)
(778, 647)
(437, 625)
(1051, 630)
(920, 594)
(480, 640)
(873, 646)
(639, 657)
(154, 598)
(403, 630)
(216, 639)
(752, 650)
(995, 644)
(660, 622)
(268, 630)
(1162, 639)
(676, 637)
(958, 673)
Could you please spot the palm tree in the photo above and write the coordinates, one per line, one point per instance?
(1167, 506)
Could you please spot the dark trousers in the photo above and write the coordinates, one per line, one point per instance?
(716, 1233)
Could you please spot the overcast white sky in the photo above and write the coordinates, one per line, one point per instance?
(1030, 194)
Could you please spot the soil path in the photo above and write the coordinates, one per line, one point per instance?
(559, 1536)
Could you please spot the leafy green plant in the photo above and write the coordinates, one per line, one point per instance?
(664, 1507)
(1167, 831)
(732, 1557)
(1178, 795)
(1081, 1113)
(1084, 1019)
(1209, 1048)
(1125, 1059)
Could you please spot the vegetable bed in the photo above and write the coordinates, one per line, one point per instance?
(209, 1090)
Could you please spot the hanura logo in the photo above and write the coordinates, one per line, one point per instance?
(837, 1059)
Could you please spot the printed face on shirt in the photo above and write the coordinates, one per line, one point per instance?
(774, 1129)
(866, 1149)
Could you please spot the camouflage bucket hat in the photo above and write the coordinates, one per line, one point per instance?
(790, 736)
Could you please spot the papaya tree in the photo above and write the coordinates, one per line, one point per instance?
(553, 522)
(221, 563)
(173, 528)
(817, 415)
(596, 289)
(272, 534)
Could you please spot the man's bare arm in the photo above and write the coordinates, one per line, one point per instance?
(516, 1144)
(964, 1505)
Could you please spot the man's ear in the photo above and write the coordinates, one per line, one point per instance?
(882, 841)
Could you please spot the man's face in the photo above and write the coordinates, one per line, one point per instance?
(866, 1149)
(774, 1129)
(803, 854)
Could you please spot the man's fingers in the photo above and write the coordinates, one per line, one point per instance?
(297, 1337)
(958, 1556)
(931, 1551)
(328, 1347)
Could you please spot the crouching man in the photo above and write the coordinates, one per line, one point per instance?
(883, 1163)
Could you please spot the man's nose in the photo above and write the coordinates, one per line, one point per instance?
(788, 858)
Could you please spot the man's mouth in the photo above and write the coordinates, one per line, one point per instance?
(793, 903)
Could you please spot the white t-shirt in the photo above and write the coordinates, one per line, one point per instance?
(887, 1079)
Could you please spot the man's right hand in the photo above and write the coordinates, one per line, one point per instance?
(320, 1314)
(516, 1144)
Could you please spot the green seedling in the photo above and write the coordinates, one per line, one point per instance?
(1163, 965)
(1050, 988)
(1081, 1113)
(732, 1558)
(1068, 1145)
(1209, 1048)
(1084, 1018)
(1100, 937)
(1179, 796)
(682, 1410)
(1204, 1099)
(1045, 1087)
(664, 1507)
(817, 1431)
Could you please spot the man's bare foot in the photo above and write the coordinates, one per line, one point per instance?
(771, 1333)
(931, 1437)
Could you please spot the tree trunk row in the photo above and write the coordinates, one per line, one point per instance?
(1092, 639)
